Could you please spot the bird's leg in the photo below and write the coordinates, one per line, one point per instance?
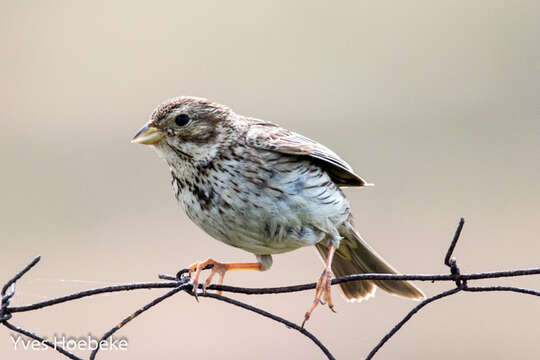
(219, 268)
(323, 286)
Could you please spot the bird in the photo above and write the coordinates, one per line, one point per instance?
(257, 186)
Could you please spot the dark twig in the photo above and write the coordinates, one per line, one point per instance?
(11, 283)
(454, 242)
(273, 317)
(407, 317)
(272, 290)
(91, 292)
(60, 349)
(343, 279)
(135, 314)
(181, 282)
(502, 288)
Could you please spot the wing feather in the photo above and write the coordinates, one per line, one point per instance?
(269, 136)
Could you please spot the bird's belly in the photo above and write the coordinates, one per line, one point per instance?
(256, 228)
(268, 219)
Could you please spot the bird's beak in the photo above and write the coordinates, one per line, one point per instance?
(148, 135)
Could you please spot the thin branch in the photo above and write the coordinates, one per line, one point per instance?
(135, 314)
(407, 317)
(273, 290)
(457, 234)
(91, 292)
(29, 334)
(502, 288)
(273, 317)
(370, 276)
(11, 282)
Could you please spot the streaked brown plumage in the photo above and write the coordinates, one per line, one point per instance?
(264, 189)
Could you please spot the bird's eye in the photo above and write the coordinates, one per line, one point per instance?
(181, 119)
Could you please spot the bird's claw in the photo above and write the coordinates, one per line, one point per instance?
(322, 294)
(216, 267)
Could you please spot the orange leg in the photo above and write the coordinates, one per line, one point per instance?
(323, 286)
(219, 268)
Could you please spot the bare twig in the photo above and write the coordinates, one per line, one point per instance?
(273, 317)
(60, 349)
(454, 242)
(135, 314)
(416, 309)
(181, 283)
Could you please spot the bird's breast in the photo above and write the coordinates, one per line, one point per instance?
(270, 205)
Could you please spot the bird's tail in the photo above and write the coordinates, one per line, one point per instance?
(355, 256)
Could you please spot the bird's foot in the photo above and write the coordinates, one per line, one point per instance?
(217, 268)
(196, 268)
(322, 294)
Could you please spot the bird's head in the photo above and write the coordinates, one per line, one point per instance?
(187, 129)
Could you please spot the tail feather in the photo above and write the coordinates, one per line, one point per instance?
(355, 256)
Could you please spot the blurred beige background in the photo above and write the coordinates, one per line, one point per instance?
(437, 103)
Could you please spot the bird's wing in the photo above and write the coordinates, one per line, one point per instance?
(269, 136)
